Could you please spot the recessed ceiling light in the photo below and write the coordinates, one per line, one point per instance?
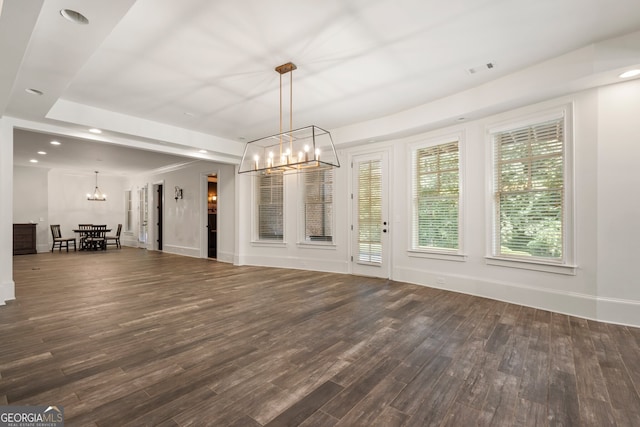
(190, 114)
(32, 91)
(55, 143)
(73, 16)
(42, 153)
(33, 161)
(94, 130)
(630, 73)
(202, 151)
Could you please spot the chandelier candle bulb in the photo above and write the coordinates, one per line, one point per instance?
(256, 158)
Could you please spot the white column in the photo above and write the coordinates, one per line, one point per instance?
(7, 286)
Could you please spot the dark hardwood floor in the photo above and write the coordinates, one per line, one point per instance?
(130, 337)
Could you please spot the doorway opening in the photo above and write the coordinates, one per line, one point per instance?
(212, 215)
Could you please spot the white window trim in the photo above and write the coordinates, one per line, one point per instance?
(317, 245)
(302, 242)
(255, 239)
(436, 253)
(568, 263)
(433, 254)
(533, 264)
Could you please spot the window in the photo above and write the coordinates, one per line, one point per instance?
(317, 200)
(270, 197)
(129, 211)
(436, 197)
(530, 200)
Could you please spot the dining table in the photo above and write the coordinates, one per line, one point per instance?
(85, 235)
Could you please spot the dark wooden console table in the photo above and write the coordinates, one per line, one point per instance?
(24, 239)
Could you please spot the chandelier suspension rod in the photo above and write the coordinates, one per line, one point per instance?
(280, 115)
(290, 113)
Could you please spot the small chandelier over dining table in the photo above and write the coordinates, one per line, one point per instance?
(296, 150)
(97, 196)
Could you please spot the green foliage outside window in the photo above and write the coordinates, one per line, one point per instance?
(530, 190)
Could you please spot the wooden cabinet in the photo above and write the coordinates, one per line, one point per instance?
(24, 239)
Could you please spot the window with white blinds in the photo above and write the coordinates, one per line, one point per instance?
(269, 201)
(436, 197)
(529, 169)
(370, 212)
(317, 197)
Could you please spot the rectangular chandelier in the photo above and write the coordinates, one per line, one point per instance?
(297, 150)
(292, 151)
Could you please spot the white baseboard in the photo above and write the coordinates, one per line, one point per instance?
(297, 263)
(619, 311)
(224, 257)
(181, 250)
(128, 241)
(610, 310)
(7, 291)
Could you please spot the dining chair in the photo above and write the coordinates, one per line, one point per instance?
(115, 239)
(58, 240)
(83, 234)
(96, 237)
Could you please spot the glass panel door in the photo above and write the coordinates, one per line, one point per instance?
(370, 216)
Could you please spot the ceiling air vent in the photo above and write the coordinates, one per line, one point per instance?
(481, 68)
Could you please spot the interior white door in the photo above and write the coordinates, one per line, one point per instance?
(370, 218)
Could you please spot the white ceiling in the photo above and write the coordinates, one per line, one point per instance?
(203, 71)
(86, 155)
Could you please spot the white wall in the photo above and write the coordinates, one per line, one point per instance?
(618, 209)
(293, 253)
(31, 201)
(184, 220)
(68, 204)
(56, 196)
(606, 153)
(7, 286)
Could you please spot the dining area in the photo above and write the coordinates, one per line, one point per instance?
(94, 237)
(89, 237)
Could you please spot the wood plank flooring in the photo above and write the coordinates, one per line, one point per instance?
(130, 338)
